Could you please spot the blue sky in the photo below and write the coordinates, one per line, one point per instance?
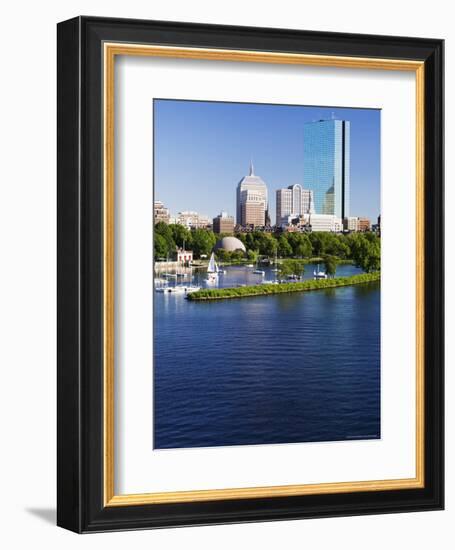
(203, 149)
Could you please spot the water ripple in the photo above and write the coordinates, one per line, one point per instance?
(274, 369)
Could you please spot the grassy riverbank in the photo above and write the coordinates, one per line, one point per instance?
(284, 288)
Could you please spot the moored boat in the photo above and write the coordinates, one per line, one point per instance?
(318, 274)
(179, 289)
(192, 288)
(212, 271)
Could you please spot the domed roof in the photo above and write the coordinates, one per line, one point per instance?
(230, 244)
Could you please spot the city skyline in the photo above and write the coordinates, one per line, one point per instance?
(203, 149)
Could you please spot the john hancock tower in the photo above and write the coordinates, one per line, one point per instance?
(326, 158)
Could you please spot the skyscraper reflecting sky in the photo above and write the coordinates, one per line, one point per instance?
(326, 165)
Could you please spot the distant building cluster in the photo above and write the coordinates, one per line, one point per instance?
(322, 203)
(192, 220)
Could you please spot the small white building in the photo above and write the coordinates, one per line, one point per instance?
(184, 256)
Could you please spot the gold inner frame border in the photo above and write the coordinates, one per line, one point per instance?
(110, 51)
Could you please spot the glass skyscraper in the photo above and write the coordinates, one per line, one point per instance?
(326, 165)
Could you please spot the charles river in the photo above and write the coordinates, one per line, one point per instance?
(272, 369)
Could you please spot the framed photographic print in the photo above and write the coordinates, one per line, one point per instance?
(250, 274)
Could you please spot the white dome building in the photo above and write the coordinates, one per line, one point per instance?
(230, 244)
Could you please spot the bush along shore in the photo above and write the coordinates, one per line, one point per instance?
(282, 288)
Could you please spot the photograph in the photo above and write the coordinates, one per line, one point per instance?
(251, 263)
(224, 275)
(267, 267)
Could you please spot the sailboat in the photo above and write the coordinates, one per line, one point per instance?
(212, 271)
(275, 269)
(318, 274)
(258, 271)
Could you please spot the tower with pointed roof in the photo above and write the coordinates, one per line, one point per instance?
(252, 200)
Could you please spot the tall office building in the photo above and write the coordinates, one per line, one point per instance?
(252, 200)
(293, 201)
(326, 165)
(223, 223)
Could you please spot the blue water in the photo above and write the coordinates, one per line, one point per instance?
(275, 369)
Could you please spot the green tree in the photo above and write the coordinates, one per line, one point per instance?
(330, 264)
(298, 268)
(203, 240)
(252, 255)
(320, 241)
(372, 261)
(241, 237)
(269, 245)
(251, 240)
(160, 246)
(164, 231)
(265, 243)
(223, 255)
(284, 248)
(291, 267)
(366, 251)
(237, 255)
(181, 235)
(301, 245)
(336, 246)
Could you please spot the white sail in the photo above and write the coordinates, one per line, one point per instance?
(212, 267)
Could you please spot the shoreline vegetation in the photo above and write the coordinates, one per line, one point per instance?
(363, 249)
(283, 288)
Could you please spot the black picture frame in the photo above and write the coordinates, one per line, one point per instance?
(80, 276)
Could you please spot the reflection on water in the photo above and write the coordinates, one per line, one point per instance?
(273, 369)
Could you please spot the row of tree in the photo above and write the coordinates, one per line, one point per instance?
(364, 249)
(169, 237)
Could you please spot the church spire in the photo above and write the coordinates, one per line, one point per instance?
(251, 168)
